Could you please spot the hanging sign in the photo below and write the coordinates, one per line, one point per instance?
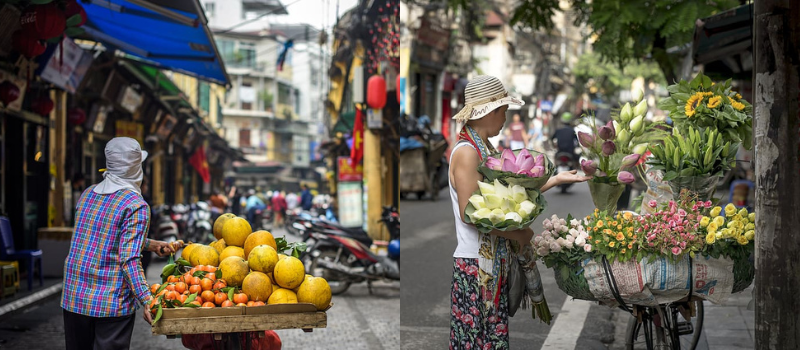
(133, 130)
(347, 172)
(350, 204)
(374, 118)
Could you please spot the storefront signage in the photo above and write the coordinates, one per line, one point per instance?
(374, 118)
(168, 122)
(347, 172)
(130, 99)
(66, 65)
(350, 204)
(98, 116)
(133, 130)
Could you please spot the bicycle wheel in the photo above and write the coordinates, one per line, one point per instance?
(654, 333)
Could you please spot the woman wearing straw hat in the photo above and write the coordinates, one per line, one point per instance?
(479, 312)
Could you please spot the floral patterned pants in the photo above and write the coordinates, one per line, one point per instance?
(468, 329)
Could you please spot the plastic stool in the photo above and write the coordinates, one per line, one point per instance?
(16, 271)
(8, 275)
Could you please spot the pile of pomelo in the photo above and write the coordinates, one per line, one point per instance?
(240, 268)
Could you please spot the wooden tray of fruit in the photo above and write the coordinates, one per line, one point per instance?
(244, 285)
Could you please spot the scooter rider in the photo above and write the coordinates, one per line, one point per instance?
(564, 137)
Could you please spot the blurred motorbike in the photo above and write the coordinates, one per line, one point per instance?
(199, 224)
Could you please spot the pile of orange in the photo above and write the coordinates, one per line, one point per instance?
(207, 290)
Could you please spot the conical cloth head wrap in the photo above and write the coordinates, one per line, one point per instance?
(481, 96)
(124, 158)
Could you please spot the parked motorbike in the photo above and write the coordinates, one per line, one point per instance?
(343, 256)
(199, 224)
(180, 215)
(565, 162)
(165, 228)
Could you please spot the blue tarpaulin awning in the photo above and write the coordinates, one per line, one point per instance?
(169, 34)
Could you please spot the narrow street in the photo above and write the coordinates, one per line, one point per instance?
(357, 320)
(429, 241)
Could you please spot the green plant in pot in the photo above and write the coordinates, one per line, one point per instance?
(614, 150)
(694, 161)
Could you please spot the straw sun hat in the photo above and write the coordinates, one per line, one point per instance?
(482, 95)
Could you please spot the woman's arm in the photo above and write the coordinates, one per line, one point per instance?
(465, 178)
(563, 178)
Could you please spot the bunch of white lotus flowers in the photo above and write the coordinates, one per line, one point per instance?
(499, 203)
(559, 235)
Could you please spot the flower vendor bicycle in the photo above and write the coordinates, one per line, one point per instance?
(675, 326)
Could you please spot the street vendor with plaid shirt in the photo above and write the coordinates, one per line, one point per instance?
(103, 276)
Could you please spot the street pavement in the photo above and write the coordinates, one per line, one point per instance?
(358, 320)
(429, 241)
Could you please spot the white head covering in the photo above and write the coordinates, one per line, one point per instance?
(124, 158)
(482, 95)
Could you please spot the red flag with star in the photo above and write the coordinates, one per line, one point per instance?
(357, 152)
(198, 161)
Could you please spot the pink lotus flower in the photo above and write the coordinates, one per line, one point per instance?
(494, 163)
(625, 177)
(588, 167)
(524, 160)
(537, 171)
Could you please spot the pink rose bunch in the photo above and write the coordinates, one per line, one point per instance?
(672, 229)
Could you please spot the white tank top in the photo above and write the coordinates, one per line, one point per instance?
(468, 243)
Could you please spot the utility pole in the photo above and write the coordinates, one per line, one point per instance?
(776, 28)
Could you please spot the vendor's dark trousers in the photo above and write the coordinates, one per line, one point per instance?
(98, 333)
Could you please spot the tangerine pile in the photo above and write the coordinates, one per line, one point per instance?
(242, 268)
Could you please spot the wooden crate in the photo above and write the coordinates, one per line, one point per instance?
(240, 319)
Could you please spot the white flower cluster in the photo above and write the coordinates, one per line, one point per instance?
(559, 235)
(498, 203)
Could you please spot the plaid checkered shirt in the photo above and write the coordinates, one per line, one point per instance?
(103, 276)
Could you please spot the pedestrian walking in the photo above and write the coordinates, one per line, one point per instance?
(279, 208)
(103, 277)
(306, 199)
(518, 136)
(536, 134)
(253, 204)
(218, 202)
(292, 201)
(478, 318)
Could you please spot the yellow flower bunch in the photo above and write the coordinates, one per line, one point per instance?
(614, 235)
(735, 225)
(714, 101)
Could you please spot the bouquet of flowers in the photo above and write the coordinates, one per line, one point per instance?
(528, 169)
(563, 241)
(703, 104)
(729, 233)
(613, 236)
(614, 149)
(501, 207)
(671, 231)
(693, 161)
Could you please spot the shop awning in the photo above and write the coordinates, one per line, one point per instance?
(723, 42)
(169, 34)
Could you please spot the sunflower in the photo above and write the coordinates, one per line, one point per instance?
(714, 101)
(738, 97)
(738, 105)
(692, 103)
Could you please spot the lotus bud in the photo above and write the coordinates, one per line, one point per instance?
(492, 201)
(588, 167)
(481, 214)
(501, 190)
(524, 161)
(624, 137)
(606, 132)
(637, 95)
(537, 171)
(508, 205)
(637, 125)
(497, 216)
(586, 139)
(630, 160)
(486, 188)
(539, 161)
(526, 208)
(640, 148)
(518, 194)
(609, 148)
(640, 108)
(625, 177)
(508, 156)
(493, 163)
(616, 126)
(626, 114)
(513, 217)
(477, 201)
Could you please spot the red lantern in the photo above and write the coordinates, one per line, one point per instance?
(76, 116)
(376, 92)
(397, 88)
(43, 21)
(9, 92)
(74, 8)
(26, 45)
(42, 105)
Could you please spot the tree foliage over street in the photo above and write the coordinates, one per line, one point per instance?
(608, 78)
(624, 30)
